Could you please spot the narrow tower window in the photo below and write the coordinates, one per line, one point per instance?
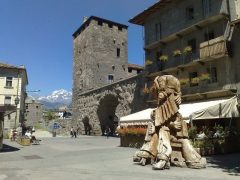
(118, 52)
(110, 79)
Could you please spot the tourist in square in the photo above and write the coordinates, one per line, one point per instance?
(72, 132)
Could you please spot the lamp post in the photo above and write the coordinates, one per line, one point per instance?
(34, 90)
(16, 103)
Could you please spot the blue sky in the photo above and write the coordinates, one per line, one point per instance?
(38, 34)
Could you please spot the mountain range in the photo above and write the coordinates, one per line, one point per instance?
(56, 99)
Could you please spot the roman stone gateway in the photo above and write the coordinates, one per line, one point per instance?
(102, 107)
(167, 127)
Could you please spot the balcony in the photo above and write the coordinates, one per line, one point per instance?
(188, 29)
(213, 48)
(209, 51)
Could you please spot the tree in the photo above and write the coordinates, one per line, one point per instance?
(50, 115)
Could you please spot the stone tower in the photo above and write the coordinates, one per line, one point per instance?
(100, 54)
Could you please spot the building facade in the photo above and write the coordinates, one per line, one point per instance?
(33, 112)
(13, 82)
(196, 41)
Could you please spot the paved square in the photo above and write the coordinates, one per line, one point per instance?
(87, 157)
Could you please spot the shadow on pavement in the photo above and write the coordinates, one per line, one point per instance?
(7, 148)
(230, 163)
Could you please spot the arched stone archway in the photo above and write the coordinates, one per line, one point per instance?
(87, 126)
(104, 106)
(107, 112)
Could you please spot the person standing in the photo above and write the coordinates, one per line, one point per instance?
(75, 133)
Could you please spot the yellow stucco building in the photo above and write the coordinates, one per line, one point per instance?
(13, 82)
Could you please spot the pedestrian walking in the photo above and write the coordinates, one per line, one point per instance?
(72, 132)
(107, 132)
(75, 133)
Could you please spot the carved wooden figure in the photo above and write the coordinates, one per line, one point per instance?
(167, 131)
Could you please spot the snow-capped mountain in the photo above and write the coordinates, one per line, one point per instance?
(58, 98)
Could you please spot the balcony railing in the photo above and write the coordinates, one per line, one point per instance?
(213, 47)
(208, 50)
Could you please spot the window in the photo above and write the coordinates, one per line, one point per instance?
(189, 13)
(130, 70)
(158, 31)
(213, 74)
(119, 28)
(9, 82)
(100, 23)
(36, 107)
(110, 25)
(209, 35)
(9, 116)
(7, 100)
(80, 84)
(110, 79)
(193, 44)
(118, 52)
(26, 106)
(193, 79)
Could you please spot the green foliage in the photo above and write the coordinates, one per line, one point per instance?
(38, 126)
(50, 115)
(163, 58)
(187, 50)
(176, 53)
(148, 62)
(206, 143)
(192, 132)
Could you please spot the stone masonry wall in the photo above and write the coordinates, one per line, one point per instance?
(128, 94)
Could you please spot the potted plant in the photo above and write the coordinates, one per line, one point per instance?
(204, 76)
(176, 53)
(195, 80)
(148, 62)
(184, 81)
(163, 58)
(187, 50)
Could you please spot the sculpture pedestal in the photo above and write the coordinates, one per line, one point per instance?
(176, 156)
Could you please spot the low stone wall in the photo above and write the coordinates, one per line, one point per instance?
(65, 126)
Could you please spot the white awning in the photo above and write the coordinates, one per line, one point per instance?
(143, 117)
(188, 108)
(225, 109)
(138, 118)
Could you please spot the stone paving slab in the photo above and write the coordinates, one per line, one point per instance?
(88, 157)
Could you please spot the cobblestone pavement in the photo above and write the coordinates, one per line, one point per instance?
(90, 158)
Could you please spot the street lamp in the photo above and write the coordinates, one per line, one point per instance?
(16, 103)
(34, 90)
